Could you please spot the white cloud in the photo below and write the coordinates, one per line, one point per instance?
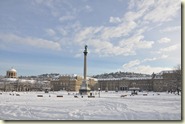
(138, 10)
(52, 5)
(171, 29)
(164, 40)
(169, 49)
(66, 18)
(132, 16)
(100, 39)
(105, 48)
(138, 67)
(136, 42)
(62, 31)
(157, 10)
(107, 33)
(118, 31)
(164, 56)
(131, 4)
(87, 33)
(125, 27)
(141, 30)
(131, 64)
(88, 8)
(44, 2)
(36, 42)
(135, 66)
(149, 59)
(50, 32)
(155, 58)
(140, 4)
(78, 55)
(146, 69)
(163, 10)
(145, 4)
(114, 20)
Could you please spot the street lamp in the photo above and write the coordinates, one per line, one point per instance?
(99, 92)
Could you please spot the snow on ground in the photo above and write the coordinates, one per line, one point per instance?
(110, 106)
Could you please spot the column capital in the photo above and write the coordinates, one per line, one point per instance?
(85, 53)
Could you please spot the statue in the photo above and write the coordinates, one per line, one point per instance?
(85, 47)
(85, 51)
(153, 75)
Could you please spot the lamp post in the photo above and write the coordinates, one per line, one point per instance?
(99, 92)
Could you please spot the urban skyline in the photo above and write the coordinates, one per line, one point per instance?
(38, 37)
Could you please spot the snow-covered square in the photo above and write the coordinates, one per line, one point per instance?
(108, 106)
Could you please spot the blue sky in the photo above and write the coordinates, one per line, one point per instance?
(48, 36)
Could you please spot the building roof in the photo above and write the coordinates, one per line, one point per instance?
(27, 81)
(127, 78)
(10, 79)
(14, 80)
(134, 88)
(166, 71)
(12, 70)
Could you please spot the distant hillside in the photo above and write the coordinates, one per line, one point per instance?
(99, 76)
(49, 75)
(120, 75)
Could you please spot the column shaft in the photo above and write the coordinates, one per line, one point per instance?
(85, 67)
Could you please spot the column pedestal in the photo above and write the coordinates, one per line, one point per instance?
(84, 89)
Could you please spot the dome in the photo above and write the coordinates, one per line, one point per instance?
(12, 70)
(12, 73)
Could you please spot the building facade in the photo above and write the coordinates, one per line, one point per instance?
(12, 83)
(124, 84)
(70, 83)
(165, 81)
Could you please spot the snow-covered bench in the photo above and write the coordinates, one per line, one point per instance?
(59, 95)
(123, 95)
(39, 95)
(91, 96)
(17, 94)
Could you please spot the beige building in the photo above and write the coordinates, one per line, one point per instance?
(12, 83)
(70, 83)
(164, 81)
(125, 83)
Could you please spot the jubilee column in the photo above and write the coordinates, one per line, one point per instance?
(84, 89)
(85, 63)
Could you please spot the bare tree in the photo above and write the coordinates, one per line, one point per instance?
(5, 85)
(178, 77)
